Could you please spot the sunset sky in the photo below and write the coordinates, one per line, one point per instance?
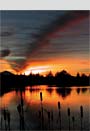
(43, 41)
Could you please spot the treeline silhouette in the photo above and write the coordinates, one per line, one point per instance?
(63, 79)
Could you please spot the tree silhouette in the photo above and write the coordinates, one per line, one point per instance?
(10, 81)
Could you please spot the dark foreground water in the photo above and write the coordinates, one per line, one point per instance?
(72, 98)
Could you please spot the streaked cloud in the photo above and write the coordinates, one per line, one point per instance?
(16, 58)
(30, 37)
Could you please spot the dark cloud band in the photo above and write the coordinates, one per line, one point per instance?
(5, 52)
(60, 24)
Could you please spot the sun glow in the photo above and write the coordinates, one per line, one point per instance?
(57, 65)
(36, 70)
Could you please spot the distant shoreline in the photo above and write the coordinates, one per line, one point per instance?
(10, 81)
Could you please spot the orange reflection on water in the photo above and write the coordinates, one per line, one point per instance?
(7, 98)
(73, 99)
(51, 96)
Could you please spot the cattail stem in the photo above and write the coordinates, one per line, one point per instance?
(81, 124)
(81, 113)
(49, 120)
(8, 117)
(52, 119)
(42, 116)
(22, 113)
(59, 107)
(73, 120)
(69, 117)
(41, 96)
(1, 122)
(69, 123)
(5, 117)
(5, 125)
(60, 118)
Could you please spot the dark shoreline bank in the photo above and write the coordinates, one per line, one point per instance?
(9, 81)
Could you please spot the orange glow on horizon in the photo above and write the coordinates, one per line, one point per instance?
(36, 70)
(27, 72)
(71, 65)
(55, 65)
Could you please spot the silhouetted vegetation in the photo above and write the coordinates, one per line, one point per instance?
(62, 79)
(64, 92)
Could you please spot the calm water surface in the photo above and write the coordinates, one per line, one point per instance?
(71, 98)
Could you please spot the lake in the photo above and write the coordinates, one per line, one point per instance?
(46, 114)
